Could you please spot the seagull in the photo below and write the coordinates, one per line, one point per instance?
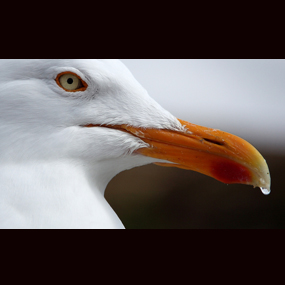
(68, 126)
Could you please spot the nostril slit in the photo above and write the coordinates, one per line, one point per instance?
(214, 142)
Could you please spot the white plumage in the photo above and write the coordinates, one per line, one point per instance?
(53, 172)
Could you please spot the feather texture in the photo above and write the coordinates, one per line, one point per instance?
(53, 172)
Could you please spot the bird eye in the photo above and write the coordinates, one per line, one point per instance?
(71, 82)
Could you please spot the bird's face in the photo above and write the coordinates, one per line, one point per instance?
(94, 110)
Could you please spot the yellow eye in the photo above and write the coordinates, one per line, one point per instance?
(71, 82)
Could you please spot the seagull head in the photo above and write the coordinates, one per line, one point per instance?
(91, 111)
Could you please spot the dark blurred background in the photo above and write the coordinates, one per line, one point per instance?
(243, 97)
(162, 197)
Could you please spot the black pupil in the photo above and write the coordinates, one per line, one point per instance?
(69, 80)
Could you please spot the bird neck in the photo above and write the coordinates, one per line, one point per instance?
(54, 195)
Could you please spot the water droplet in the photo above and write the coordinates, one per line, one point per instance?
(265, 191)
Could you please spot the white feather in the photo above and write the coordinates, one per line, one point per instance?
(53, 172)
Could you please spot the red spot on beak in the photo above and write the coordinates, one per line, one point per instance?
(231, 172)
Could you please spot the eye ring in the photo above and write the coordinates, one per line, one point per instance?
(72, 83)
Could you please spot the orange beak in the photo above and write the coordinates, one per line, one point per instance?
(212, 152)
